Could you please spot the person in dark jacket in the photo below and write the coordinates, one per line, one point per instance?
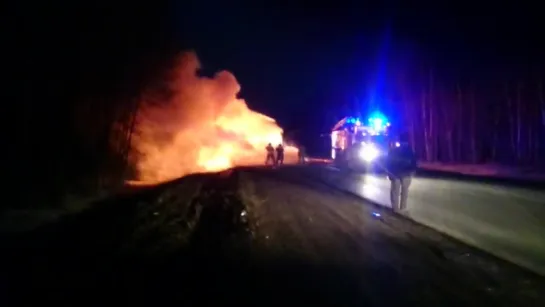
(279, 154)
(301, 154)
(270, 155)
(401, 165)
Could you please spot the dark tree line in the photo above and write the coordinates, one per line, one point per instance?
(471, 122)
(474, 117)
(77, 72)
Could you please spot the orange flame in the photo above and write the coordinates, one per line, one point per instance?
(200, 127)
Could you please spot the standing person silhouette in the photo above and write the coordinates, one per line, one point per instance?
(301, 154)
(270, 155)
(279, 154)
(401, 165)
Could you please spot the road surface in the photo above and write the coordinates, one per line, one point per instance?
(505, 220)
(253, 237)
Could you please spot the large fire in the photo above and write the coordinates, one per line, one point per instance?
(200, 125)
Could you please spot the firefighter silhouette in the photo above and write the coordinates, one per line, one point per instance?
(301, 154)
(270, 155)
(280, 154)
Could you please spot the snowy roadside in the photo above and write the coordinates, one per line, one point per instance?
(486, 170)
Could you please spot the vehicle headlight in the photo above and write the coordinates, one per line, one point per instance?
(369, 153)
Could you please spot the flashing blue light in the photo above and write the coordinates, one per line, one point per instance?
(378, 121)
(376, 214)
(353, 120)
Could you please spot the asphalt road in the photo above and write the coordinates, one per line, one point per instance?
(253, 237)
(504, 219)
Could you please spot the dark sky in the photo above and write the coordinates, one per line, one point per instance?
(298, 63)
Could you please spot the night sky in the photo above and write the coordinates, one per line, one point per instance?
(305, 65)
(301, 64)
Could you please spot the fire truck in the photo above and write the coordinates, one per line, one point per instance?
(361, 146)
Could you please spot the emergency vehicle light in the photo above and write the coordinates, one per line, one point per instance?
(353, 120)
(369, 153)
(377, 120)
